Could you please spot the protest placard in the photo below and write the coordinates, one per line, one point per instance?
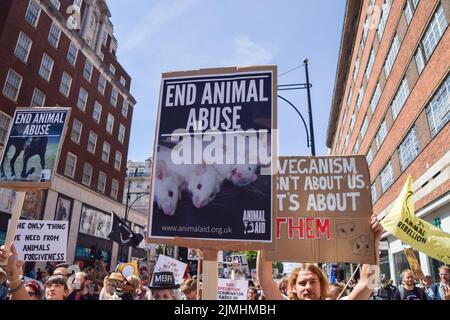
(243, 264)
(414, 264)
(43, 240)
(211, 182)
(30, 157)
(178, 268)
(228, 289)
(192, 254)
(324, 208)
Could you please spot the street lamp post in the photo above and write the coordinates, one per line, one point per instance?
(302, 86)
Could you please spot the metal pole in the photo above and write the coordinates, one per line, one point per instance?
(126, 214)
(311, 126)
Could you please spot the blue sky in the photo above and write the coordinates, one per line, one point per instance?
(157, 36)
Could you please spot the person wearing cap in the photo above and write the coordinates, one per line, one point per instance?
(34, 290)
(112, 287)
(163, 287)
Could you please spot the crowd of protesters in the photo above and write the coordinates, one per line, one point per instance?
(307, 282)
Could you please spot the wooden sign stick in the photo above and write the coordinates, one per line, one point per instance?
(198, 273)
(210, 275)
(15, 217)
(345, 288)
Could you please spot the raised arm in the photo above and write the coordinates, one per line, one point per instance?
(15, 282)
(268, 285)
(364, 287)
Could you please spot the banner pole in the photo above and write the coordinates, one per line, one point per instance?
(210, 274)
(346, 285)
(198, 273)
(15, 217)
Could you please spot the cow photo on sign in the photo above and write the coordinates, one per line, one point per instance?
(213, 143)
(32, 148)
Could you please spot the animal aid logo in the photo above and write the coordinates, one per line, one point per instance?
(254, 221)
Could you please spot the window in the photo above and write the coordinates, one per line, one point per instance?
(77, 128)
(356, 147)
(82, 99)
(123, 81)
(87, 174)
(370, 64)
(352, 121)
(365, 30)
(409, 149)
(55, 3)
(110, 123)
(387, 177)
(105, 38)
(121, 133)
(346, 142)
(4, 127)
(373, 192)
(71, 164)
(45, 70)
(381, 134)
(364, 126)
(12, 85)
(118, 160)
(114, 97)
(376, 97)
(101, 181)
(125, 108)
(38, 99)
(349, 97)
(420, 62)
(400, 98)
(66, 82)
(101, 84)
(92, 142)
(408, 12)
(355, 71)
(386, 8)
(105, 151)
(72, 54)
(54, 35)
(114, 188)
(112, 69)
(438, 109)
(369, 156)
(360, 97)
(23, 47)
(97, 112)
(390, 59)
(77, 3)
(434, 32)
(87, 73)
(33, 13)
(101, 56)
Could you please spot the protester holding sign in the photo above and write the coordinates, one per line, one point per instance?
(308, 281)
(15, 283)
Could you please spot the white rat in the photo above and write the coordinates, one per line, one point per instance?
(167, 189)
(200, 180)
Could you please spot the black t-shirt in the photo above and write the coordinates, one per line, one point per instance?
(415, 294)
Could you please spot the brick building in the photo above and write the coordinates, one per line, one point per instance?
(391, 103)
(63, 53)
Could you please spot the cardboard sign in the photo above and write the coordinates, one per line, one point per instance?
(178, 268)
(324, 209)
(228, 289)
(41, 240)
(211, 182)
(33, 145)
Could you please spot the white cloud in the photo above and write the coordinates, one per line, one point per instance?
(158, 17)
(247, 53)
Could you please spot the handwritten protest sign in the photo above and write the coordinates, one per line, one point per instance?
(178, 268)
(31, 153)
(324, 209)
(228, 289)
(43, 240)
(213, 140)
